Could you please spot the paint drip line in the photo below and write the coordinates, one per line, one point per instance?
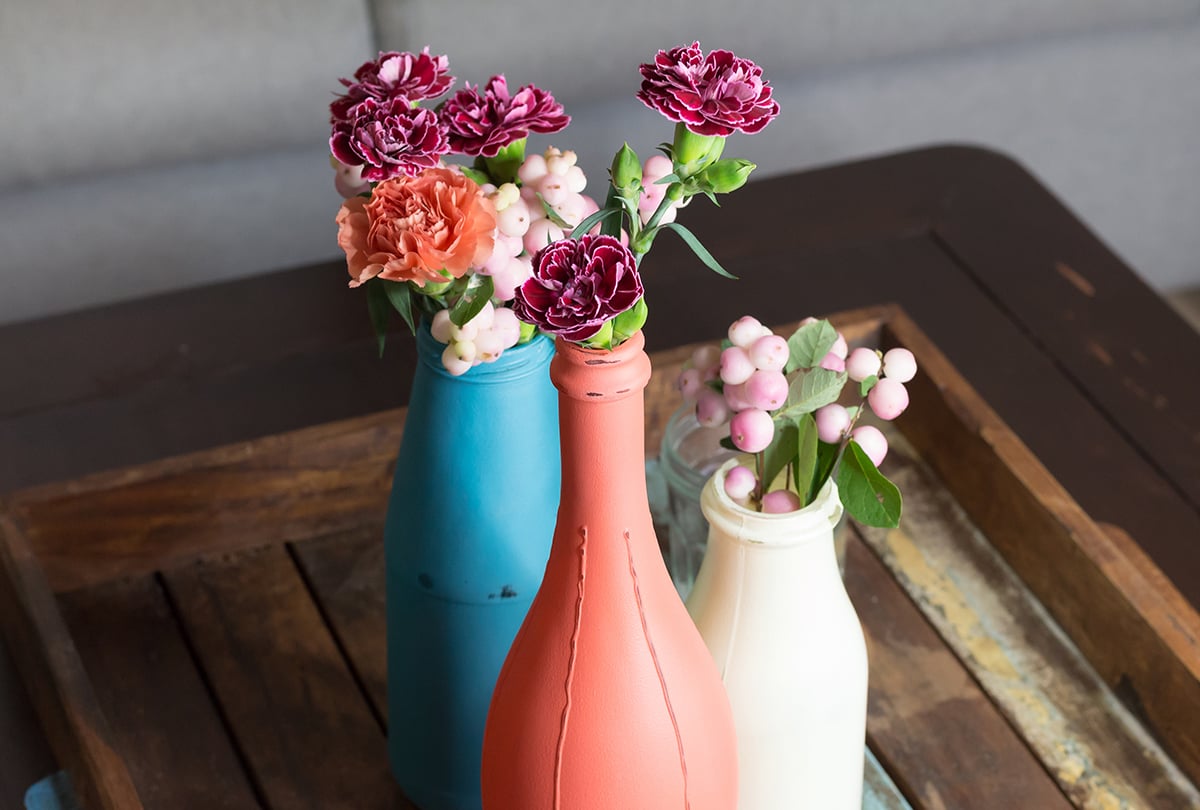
(570, 679)
(662, 682)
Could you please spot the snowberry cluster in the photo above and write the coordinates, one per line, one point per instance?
(523, 225)
(653, 192)
(752, 383)
(480, 340)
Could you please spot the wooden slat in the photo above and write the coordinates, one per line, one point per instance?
(303, 726)
(61, 692)
(879, 791)
(164, 723)
(141, 519)
(347, 577)
(929, 723)
(1096, 749)
(25, 756)
(1139, 632)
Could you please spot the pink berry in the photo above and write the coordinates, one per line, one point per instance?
(740, 482)
(706, 357)
(440, 326)
(541, 233)
(751, 430)
(888, 398)
(872, 441)
(690, 384)
(780, 502)
(832, 420)
(711, 409)
(735, 365)
(745, 330)
(839, 346)
(454, 364)
(736, 398)
(862, 363)
(533, 169)
(899, 365)
(656, 168)
(769, 353)
(833, 363)
(513, 220)
(767, 390)
(489, 345)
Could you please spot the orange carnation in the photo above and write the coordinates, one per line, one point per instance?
(414, 228)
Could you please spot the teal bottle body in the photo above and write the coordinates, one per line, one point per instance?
(469, 525)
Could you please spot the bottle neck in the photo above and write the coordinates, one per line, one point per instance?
(602, 425)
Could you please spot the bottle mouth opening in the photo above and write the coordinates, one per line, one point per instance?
(774, 529)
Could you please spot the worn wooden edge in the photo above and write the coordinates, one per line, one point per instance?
(58, 683)
(1138, 631)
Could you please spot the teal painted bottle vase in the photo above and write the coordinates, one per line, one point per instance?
(468, 531)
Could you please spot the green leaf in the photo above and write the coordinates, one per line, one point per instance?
(379, 309)
(551, 214)
(780, 452)
(805, 465)
(868, 384)
(666, 180)
(827, 455)
(813, 389)
(809, 344)
(868, 496)
(475, 175)
(629, 322)
(727, 443)
(472, 301)
(590, 221)
(701, 252)
(503, 167)
(400, 296)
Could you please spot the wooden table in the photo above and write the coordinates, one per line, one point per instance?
(1092, 370)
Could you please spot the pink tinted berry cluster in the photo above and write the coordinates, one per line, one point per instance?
(749, 385)
(480, 340)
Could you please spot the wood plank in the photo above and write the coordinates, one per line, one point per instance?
(141, 519)
(304, 728)
(62, 694)
(929, 723)
(1096, 749)
(347, 576)
(25, 756)
(164, 723)
(1140, 633)
(879, 791)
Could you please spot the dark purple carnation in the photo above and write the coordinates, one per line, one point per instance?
(577, 285)
(394, 74)
(484, 123)
(389, 139)
(710, 95)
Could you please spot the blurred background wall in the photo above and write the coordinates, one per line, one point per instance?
(148, 146)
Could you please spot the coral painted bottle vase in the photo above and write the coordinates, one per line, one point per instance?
(609, 698)
(468, 533)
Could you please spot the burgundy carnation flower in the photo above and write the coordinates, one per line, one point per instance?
(484, 123)
(577, 285)
(389, 139)
(394, 74)
(710, 95)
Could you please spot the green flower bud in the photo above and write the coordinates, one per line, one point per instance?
(691, 149)
(629, 321)
(626, 171)
(725, 176)
(602, 339)
(528, 330)
(434, 287)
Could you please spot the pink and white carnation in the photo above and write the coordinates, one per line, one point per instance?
(394, 74)
(715, 94)
(484, 122)
(389, 139)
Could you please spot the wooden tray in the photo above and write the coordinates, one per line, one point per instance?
(207, 631)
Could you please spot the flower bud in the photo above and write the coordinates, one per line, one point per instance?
(725, 176)
(626, 171)
(692, 152)
(602, 339)
(629, 321)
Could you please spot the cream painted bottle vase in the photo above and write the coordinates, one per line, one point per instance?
(770, 604)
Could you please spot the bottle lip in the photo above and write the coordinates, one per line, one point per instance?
(759, 529)
(515, 363)
(601, 375)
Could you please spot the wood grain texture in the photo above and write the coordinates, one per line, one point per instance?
(1090, 742)
(25, 755)
(164, 723)
(347, 576)
(1140, 633)
(297, 714)
(285, 487)
(59, 686)
(879, 791)
(928, 722)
